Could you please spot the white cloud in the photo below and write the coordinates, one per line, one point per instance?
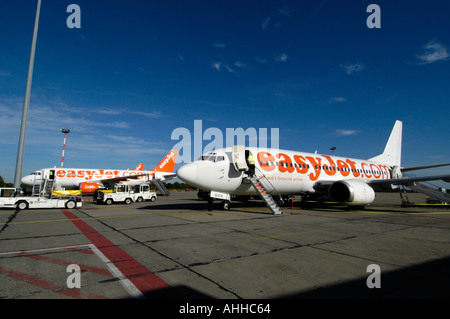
(108, 111)
(434, 52)
(179, 58)
(352, 68)
(242, 65)
(219, 66)
(346, 132)
(338, 99)
(285, 11)
(275, 19)
(265, 23)
(219, 45)
(260, 60)
(282, 57)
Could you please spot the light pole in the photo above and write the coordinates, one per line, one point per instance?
(65, 131)
(26, 104)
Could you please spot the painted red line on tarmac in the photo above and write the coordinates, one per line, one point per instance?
(424, 216)
(140, 276)
(73, 293)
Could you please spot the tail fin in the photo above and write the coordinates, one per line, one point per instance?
(168, 163)
(392, 154)
(140, 167)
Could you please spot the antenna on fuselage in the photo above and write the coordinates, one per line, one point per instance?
(333, 148)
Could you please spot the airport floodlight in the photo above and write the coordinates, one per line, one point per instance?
(26, 104)
(65, 131)
(333, 148)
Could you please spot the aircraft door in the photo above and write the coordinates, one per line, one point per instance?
(239, 159)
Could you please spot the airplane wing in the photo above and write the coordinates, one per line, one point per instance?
(158, 175)
(410, 180)
(117, 179)
(164, 176)
(380, 184)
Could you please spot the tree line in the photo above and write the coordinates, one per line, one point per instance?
(179, 186)
(3, 184)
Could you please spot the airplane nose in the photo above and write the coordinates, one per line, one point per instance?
(25, 180)
(188, 173)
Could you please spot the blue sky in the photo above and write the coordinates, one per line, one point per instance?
(137, 70)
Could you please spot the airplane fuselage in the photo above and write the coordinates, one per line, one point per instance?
(78, 177)
(289, 172)
(89, 180)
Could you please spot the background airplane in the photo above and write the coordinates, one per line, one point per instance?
(89, 180)
(283, 172)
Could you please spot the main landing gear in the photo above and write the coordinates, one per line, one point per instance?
(225, 205)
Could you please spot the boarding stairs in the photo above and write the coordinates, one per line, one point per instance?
(42, 187)
(265, 195)
(161, 187)
(430, 192)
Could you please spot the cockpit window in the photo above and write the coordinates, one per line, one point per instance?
(212, 158)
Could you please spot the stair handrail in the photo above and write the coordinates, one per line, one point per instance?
(274, 190)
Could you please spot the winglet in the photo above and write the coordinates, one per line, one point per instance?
(392, 154)
(140, 167)
(168, 163)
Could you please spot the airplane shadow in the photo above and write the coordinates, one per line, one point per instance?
(199, 205)
(430, 280)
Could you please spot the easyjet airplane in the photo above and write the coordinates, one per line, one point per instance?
(282, 172)
(89, 180)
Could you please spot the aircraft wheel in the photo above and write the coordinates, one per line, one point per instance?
(226, 205)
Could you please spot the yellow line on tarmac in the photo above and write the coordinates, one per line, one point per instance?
(96, 218)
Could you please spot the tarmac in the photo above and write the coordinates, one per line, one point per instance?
(176, 248)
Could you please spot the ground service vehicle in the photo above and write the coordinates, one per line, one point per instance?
(126, 193)
(11, 198)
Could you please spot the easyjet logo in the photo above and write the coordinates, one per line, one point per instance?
(167, 159)
(315, 166)
(94, 174)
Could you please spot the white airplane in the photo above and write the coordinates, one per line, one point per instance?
(282, 172)
(89, 180)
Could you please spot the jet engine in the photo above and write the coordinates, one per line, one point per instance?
(351, 192)
(89, 188)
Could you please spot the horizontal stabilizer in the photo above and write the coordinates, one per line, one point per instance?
(407, 169)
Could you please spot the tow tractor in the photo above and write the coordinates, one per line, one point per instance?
(126, 193)
(43, 196)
